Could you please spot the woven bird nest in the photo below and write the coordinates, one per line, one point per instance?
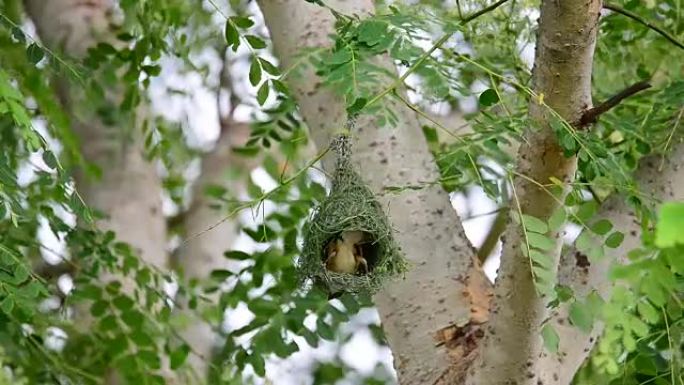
(350, 207)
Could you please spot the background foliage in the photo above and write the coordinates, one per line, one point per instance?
(481, 68)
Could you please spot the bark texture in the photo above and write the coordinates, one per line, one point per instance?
(129, 193)
(584, 275)
(562, 74)
(419, 313)
(130, 190)
(200, 255)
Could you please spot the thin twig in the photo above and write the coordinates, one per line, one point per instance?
(264, 197)
(438, 44)
(483, 11)
(648, 24)
(675, 126)
(494, 234)
(591, 115)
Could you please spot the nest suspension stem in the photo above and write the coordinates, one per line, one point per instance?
(342, 145)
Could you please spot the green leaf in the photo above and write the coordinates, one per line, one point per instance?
(540, 241)
(18, 35)
(543, 275)
(372, 32)
(258, 364)
(357, 106)
(534, 224)
(123, 303)
(255, 72)
(141, 339)
(290, 242)
(242, 22)
(34, 53)
(133, 318)
(7, 305)
(279, 86)
(50, 159)
(615, 239)
(149, 358)
(98, 308)
(564, 293)
(152, 70)
(340, 57)
(602, 227)
(262, 93)
(116, 346)
(557, 219)
(21, 274)
(586, 211)
(269, 67)
(350, 303)
(584, 242)
(541, 259)
(581, 317)
(550, 337)
(179, 356)
(263, 308)
(232, 36)
(324, 330)
(488, 98)
(638, 326)
(221, 274)
(255, 41)
(668, 232)
(247, 151)
(108, 323)
(310, 337)
(237, 255)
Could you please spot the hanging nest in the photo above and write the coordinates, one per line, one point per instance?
(350, 208)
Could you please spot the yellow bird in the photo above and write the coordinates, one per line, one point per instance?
(345, 254)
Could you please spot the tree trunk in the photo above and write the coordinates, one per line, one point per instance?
(200, 255)
(130, 190)
(419, 313)
(562, 76)
(583, 275)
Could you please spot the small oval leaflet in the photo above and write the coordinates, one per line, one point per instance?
(350, 207)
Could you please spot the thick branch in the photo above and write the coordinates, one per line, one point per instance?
(591, 115)
(640, 20)
(418, 310)
(492, 238)
(584, 276)
(562, 73)
(130, 190)
(196, 258)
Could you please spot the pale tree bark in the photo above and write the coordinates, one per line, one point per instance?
(562, 74)
(199, 255)
(130, 190)
(658, 179)
(444, 285)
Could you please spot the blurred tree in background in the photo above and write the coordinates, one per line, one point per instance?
(159, 159)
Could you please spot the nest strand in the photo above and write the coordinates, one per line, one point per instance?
(350, 206)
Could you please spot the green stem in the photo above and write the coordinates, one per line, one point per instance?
(644, 22)
(438, 44)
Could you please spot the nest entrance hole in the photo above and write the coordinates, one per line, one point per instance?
(369, 247)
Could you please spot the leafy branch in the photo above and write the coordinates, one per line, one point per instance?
(437, 45)
(591, 115)
(641, 20)
(260, 199)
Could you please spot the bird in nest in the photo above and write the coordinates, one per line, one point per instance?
(344, 253)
